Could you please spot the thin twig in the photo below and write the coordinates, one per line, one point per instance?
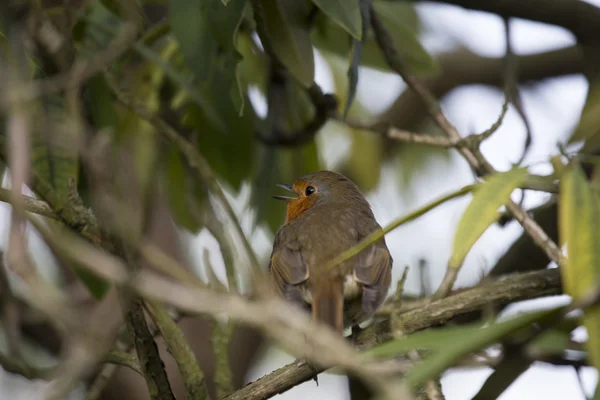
(116, 357)
(377, 235)
(196, 161)
(82, 70)
(473, 156)
(152, 365)
(193, 378)
(274, 316)
(511, 289)
(30, 204)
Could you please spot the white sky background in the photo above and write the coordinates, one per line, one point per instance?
(553, 108)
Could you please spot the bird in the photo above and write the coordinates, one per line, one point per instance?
(327, 216)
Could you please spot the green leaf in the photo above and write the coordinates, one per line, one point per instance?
(474, 341)
(588, 128)
(207, 32)
(401, 21)
(357, 46)
(364, 162)
(178, 185)
(97, 286)
(101, 103)
(346, 13)
(433, 339)
(483, 211)
(54, 146)
(579, 228)
(287, 30)
(229, 149)
(552, 341)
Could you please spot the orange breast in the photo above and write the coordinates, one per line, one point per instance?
(297, 207)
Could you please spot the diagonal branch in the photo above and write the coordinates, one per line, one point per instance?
(579, 17)
(473, 156)
(515, 288)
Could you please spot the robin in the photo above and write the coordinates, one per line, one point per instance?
(328, 216)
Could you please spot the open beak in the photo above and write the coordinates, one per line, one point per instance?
(286, 187)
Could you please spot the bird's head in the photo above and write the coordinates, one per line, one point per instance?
(318, 188)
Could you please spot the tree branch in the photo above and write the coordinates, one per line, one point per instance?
(463, 67)
(150, 361)
(579, 17)
(511, 289)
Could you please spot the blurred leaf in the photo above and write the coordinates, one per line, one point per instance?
(579, 228)
(179, 194)
(433, 339)
(101, 103)
(483, 211)
(401, 21)
(206, 31)
(476, 340)
(229, 150)
(345, 13)
(357, 46)
(588, 128)
(287, 29)
(253, 67)
(364, 162)
(513, 364)
(54, 146)
(551, 341)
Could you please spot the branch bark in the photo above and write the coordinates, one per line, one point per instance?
(579, 17)
(464, 67)
(515, 288)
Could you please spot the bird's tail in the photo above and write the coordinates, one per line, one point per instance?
(328, 303)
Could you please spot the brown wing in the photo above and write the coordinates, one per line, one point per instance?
(287, 269)
(374, 271)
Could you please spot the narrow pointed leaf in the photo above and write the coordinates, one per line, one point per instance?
(345, 13)
(207, 32)
(287, 27)
(477, 340)
(579, 228)
(483, 211)
(355, 55)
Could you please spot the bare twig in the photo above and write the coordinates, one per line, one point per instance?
(29, 204)
(473, 156)
(147, 352)
(128, 360)
(273, 316)
(511, 289)
(196, 161)
(193, 378)
(81, 71)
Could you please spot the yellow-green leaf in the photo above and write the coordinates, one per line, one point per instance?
(473, 341)
(346, 13)
(180, 196)
(588, 128)
(483, 211)
(401, 21)
(579, 228)
(287, 29)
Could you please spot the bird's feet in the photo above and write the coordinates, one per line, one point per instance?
(356, 330)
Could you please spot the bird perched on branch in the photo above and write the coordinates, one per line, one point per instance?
(327, 216)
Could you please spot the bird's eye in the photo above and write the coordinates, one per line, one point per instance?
(309, 190)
